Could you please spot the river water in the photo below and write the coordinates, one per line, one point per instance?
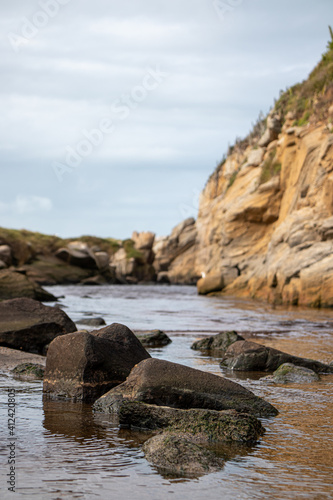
(65, 451)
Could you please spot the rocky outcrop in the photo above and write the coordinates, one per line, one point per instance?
(206, 426)
(175, 255)
(250, 356)
(83, 365)
(219, 342)
(16, 284)
(155, 381)
(29, 325)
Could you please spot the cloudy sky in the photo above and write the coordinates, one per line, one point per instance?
(114, 113)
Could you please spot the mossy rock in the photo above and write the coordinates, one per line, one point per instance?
(28, 371)
(153, 338)
(289, 373)
(219, 342)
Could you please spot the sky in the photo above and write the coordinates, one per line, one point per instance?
(114, 114)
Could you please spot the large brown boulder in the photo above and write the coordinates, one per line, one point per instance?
(163, 383)
(29, 325)
(206, 425)
(15, 284)
(250, 356)
(85, 365)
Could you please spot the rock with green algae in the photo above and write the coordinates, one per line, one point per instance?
(177, 454)
(219, 342)
(29, 371)
(289, 373)
(153, 338)
(203, 425)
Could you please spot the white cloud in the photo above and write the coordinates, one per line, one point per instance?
(27, 205)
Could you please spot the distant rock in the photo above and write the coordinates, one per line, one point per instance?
(91, 321)
(82, 258)
(6, 255)
(289, 373)
(15, 284)
(250, 356)
(153, 338)
(209, 284)
(155, 381)
(176, 453)
(29, 325)
(84, 365)
(219, 342)
(29, 371)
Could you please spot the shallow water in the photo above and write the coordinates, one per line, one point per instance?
(65, 451)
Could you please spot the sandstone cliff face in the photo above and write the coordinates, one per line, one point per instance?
(276, 229)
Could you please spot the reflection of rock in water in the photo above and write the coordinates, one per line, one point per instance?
(73, 419)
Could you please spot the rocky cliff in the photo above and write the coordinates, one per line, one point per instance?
(265, 222)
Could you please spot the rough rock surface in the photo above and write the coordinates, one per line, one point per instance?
(29, 325)
(219, 342)
(97, 321)
(85, 365)
(15, 284)
(289, 373)
(155, 381)
(29, 371)
(250, 356)
(176, 453)
(205, 425)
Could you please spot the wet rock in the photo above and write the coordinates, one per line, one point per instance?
(29, 325)
(29, 371)
(85, 365)
(250, 356)
(160, 382)
(209, 284)
(15, 284)
(289, 373)
(204, 425)
(91, 321)
(219, 342)
(153, 338)
(176, 453)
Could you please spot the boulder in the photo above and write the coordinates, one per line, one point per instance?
(15, 284)
(219, 342)
(29, 325)
(6, 255)
(155, 381)
(153, 338)
(250, 356)
(205, 425)
(255, 157)
(176, 453)
(143, 240)
(29, 371)
(91, 321)
(82, 258)
(289, 373)
(84, 365)
(210, 283)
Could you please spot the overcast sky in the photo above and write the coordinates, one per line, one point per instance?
(114, 113)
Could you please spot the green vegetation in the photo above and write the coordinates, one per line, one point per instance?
(232, 178)
(312, 97)
(131, 251)
(270, 168)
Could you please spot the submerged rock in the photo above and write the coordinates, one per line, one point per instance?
(29, 371)
(205, 425)
(160, 382)
(219, 342)
(250, 356)
(176, 453)
(85, 365)
(289, 373)
(153, 338)
(29, 325)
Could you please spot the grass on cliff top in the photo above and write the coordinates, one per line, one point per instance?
(46, 244)
(131, 251)
(313, 96)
